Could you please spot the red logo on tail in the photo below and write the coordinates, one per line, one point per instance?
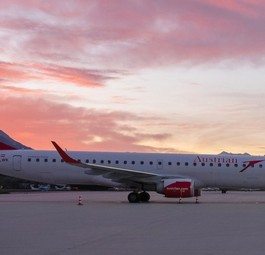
(251, 163)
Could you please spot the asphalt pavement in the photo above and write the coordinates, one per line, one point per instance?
(52, 223)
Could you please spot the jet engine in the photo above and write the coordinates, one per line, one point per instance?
(178, 188)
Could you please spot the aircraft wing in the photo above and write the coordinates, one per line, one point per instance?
(117, 174)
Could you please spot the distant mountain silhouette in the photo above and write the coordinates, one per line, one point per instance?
(232, 154)
(4, 138)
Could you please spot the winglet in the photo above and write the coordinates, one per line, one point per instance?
(64, 155)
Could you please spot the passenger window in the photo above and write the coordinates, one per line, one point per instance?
(195, 164)
(141, 162)
(94, 161)
(29, 159)
(227, 165)
(125, 162)
(219, 164)
(87, 160)
(133, 162)
(186, 163)
(211, 164)
(109, 162)
(169, 163)
(178, 163)
(236, 165)
(203, 164)
(117, 162)
(54, 160)
(45, 160)
(102, 161)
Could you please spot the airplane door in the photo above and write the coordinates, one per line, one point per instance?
(17, 162)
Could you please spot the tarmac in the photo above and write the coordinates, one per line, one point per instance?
(51, 223)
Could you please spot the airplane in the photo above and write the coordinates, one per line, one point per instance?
(173, 175)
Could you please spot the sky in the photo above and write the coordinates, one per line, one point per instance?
(180, 76)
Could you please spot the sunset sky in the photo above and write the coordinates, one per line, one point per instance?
(182, 76)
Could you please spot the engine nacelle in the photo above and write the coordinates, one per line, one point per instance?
(178, 188)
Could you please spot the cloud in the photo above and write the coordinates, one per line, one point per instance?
(21, 91)
(136, 34)
(89, 43)
(36, 122)
(10, 72)
(245, 7)
(77, 76)
(123, 100)
(17, 72)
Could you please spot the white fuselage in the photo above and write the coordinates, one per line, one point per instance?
(219, 171)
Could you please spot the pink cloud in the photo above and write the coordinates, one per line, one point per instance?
(35, 122)
(13, 72)
(121, 100)
(10, 71)
(245, 7)
(136, 34)
(22, 91)
(88, 43)
(77, 76)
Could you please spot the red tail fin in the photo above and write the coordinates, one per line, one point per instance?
(4, 146)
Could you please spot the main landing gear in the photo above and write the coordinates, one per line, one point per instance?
(135, 197)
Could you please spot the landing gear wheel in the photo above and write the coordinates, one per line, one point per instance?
(134, 197)
(144, 196)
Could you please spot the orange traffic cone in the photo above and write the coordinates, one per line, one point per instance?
(80, 201)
